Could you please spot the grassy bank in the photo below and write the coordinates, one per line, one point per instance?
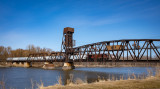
(150, 82)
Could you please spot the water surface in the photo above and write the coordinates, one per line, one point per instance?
(21, 78)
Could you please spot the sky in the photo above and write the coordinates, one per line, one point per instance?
(41, 22)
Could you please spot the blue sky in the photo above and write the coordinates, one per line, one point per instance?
(41, 22)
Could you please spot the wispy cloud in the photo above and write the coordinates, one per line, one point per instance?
(13, 36)
(91, 21)
(108, 20)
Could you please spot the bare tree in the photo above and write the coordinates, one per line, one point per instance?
(6, 52)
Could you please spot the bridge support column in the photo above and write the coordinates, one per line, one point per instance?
(68, 66)
(27, 64)
(48, 65)
(15, 64)
(20, 64)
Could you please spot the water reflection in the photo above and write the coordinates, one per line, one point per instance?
(21, 78)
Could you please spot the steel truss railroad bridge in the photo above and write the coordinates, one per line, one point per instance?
(116, 50)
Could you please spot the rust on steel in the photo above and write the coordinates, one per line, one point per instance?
(67, 43)
(114, 50)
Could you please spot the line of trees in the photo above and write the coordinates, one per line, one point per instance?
(6, 52)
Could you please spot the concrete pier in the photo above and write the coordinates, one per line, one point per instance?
(48, 65)
(27, 64)
(15, 64)
(68, 66)
(21, 64)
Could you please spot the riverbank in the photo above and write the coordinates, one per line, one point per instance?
(4, 66)
(150, 82)
(28, 77)
(85, 64)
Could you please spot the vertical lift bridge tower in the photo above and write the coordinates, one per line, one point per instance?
(67, 47)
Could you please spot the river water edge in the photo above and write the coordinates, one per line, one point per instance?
(21, 78)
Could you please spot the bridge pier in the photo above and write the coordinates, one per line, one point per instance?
(68, 66)
(21, 64)
(48, 65)
(15, 64)
(27, 64)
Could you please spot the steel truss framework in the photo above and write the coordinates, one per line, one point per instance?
(127, 50)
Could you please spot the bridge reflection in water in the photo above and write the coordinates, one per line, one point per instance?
(31, 77)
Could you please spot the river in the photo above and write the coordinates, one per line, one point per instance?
(21, 78)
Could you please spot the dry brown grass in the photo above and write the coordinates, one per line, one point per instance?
(2, 83)
(133, 82)
(151, 83)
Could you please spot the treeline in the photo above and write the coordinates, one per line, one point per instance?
(6, 52)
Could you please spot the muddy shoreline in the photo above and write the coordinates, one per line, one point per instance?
(85, 64)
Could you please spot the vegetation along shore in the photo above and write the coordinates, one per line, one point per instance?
(133, 82)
